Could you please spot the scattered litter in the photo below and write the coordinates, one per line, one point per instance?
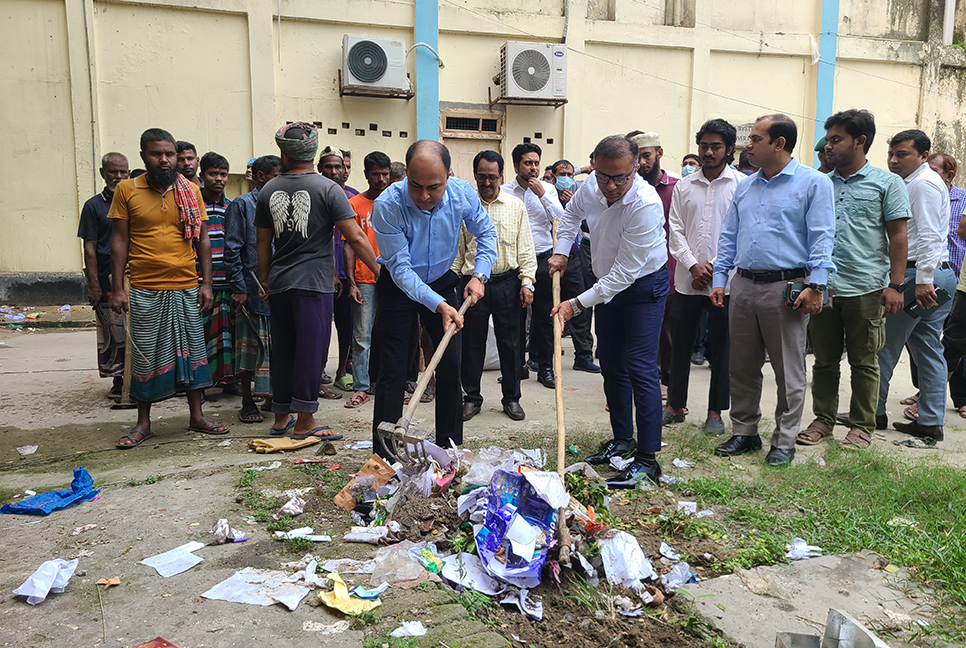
(109, 582)
(180, 559)
(271, 466)
(27, 450)
(360, 445)
(394, 564)
(299, 462)
(523, 602)
(799, 550)
(375, 467)
(325, 628)
(682, 463)
(881, 562)
(573, 449)
(409, 629)
(18, 317)
(624, 560)
(281, 444)
(304, 532)
(81, 489)
(224, 533)
(820, 462)
(619, 463)
(366, 535)
(902, 522)
(65, 307)
(535, 457)
(349, 566)
(704, 513)
(369, 594)
(430, 561)
(677, 577)
(626, 607)
(340, 599)
(29, 493)
(83, 529)
(689, 508)
(466, 570)
(926, 443)
(50, 578)
(652, 596)
(295, 506)
(224, 444)
(158, 643)
(668, 552)
(259, 587)
(668, 479)
(589, 570)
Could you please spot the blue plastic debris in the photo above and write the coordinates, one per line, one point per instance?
(81, 489)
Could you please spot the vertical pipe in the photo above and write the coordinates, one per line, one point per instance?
(427, 70)
(825, 78)
(949, 21)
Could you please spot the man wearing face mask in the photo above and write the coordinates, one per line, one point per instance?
(690, 165)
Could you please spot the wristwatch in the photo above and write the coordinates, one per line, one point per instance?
(575, 307)
(482, 277)
(819, 288)
(896, 287)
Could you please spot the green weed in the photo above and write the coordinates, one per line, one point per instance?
(247, 478)
(363, 619)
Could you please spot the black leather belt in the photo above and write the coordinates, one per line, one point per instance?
(503, 276)
(911, 265)
(771, 276)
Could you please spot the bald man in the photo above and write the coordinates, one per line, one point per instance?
(417, 227)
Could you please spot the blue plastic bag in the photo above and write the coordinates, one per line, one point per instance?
(81, 489)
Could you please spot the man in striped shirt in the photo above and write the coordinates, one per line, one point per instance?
(218, 321)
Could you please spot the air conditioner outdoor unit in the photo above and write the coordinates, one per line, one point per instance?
(374, 63)
(533, 70)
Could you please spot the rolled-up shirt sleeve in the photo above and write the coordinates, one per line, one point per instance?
(388, 223)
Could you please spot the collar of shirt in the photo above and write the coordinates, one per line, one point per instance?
(499, 199)
(665, 177)
(108, 197)
(861, 173)
(412, 206)
(728, 173)
(915, 175)
(789, 170)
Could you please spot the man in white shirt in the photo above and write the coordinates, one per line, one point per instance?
(698, 207)
(543, 207)
(928, 268)
(626, 221)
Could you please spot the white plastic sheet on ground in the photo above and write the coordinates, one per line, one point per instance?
(624, 560)
(799, 549)
(180, 559)
(409, 629)
(50, 578)
(467, 570)
(259, 587)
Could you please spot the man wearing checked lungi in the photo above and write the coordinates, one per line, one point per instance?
(157, 217)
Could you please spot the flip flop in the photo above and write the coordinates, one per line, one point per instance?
(217, 428)
(328, 394)
(358, 399)
(250, 414)
(288, 426)
(134, 442)
(335, 436)
(344, 383)
(910, 400)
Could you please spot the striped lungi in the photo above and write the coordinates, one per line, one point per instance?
(218, 335)
(253, 349)
(111, 340)
(168, 339)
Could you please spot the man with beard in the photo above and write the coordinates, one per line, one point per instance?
(188, 161)
(871, 212)
(649, 161)
(96, 230)
(543, 208)
(698, 207)
(159, 223)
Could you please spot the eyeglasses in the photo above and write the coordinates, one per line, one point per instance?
(487, 178)
(603, 179)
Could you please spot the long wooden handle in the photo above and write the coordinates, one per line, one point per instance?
(431, 366)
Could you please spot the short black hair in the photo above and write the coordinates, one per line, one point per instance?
(266, 164)
(691, 156)
(182, 145)
(346, 153)
(616, 146)
(296, 134)
(136, 172)
(489, 156)
(212, 160)
(522, 149)
(920, 141)
(634, 133)
(437, 148)
(725, 130)
(375, 160)
(743, 162)
(781, 126)
(155, 135)
(560, 163)
(856, 123)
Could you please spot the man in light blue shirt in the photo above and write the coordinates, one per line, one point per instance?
(779, 229)
(417, 227)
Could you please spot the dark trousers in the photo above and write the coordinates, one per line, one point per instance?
(686, 313)
(587, 268)
(628, 333)
(667, 336)
(395, 313)
(301, 329)
(502, 301)
(572, 284)
(342, 313)
(954, 344)
(957, 379)
(541, 326)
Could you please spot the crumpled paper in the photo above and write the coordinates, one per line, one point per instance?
(340, 599)
(799, 550)
(409, 629)
(678, 576)
(50, 577)
(259, 587)
(624, 560)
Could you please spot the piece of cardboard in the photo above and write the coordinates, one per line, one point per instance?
(382, 471)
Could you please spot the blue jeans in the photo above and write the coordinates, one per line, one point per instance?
(923, 337)
(628, 335)
(363, 316)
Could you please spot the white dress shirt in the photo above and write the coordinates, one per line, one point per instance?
(929, 225)
(627, 239)
(698, 208)
(541, 210)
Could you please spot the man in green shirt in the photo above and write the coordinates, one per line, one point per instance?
(871, 210)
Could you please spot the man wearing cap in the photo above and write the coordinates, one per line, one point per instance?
(823, 165)
(295, 214)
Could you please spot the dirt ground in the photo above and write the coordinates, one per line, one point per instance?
(52, 398)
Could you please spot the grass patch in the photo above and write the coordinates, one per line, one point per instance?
(327, 482)
(361, 620)
(247, 478)
(387, 640)
(150, 479)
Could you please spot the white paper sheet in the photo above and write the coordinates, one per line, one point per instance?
(624, 560)
(467, 570)
(50, 577)
(668, 552)
(523, 537)
(549, 487)
(258, 587)
(525, 604)
(180, 559)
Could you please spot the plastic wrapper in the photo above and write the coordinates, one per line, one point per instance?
(624, 560)
(224, 533)
(394, 564)
(677, 577)
(50, 577)
(295, 506)
(81, 489)
(799, 550)
(409, 629)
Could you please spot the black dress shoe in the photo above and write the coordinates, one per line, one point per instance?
(545, 378)
(612, 448)
(668, 417)
(638, 471)
(514, 411)
(916, 429)
(778, 457)
(586, 365)
(882, 421)
(738, 445)
(532, 366)
(470, 410)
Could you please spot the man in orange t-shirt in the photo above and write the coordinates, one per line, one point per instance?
(159, 222)
(361, 280)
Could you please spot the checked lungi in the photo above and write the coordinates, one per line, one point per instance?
(111, 340)
(218, 334)
(253, 353)
(168, 339)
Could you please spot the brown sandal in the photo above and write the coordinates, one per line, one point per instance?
(814, 434)
(911, 400)
(856, 440)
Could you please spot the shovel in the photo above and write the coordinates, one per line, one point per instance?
(563, 533)
(408, 447)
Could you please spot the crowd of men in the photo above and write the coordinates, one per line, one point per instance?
(736, 264)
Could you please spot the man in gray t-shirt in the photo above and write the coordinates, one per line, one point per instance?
(294, 217)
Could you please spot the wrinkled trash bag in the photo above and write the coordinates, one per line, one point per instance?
(81, 489)
(50, 577)
(224, 533)
(799, 550)
(394, 564)
(409, 629)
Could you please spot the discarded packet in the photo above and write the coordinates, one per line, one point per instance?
(430, 561)
(224, 533)
(50, 577)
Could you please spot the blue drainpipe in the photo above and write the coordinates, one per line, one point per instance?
(427, 70)
(825, 79)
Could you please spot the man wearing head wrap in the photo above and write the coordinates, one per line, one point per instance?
(295, 215)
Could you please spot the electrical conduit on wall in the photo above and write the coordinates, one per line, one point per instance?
(427, 70)
(825, 78)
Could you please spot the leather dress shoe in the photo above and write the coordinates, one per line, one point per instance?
(470, 410)
(612, 448)
(514, 411)
(779, 457)
(638, 471)
(738, 445)
(532, 366)
(586, 365)
(916, 429)
(545, 378)
(667, 417)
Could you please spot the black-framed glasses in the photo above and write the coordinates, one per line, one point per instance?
(619, 180)
(480, 177)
